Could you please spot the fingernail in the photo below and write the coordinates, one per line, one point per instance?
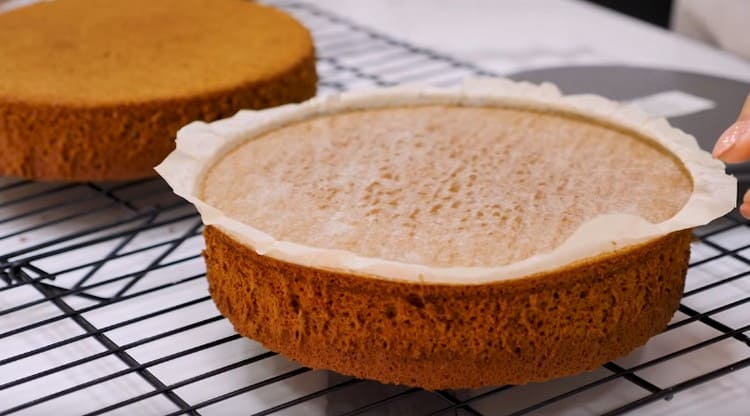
(729, 138)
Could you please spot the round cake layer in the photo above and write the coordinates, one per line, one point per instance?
(443, 186)
(496, 233)
(451, 336)
(95, 90)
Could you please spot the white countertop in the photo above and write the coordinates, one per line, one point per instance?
(511, 35)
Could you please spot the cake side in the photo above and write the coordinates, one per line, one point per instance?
(451, 336)
(123, 142)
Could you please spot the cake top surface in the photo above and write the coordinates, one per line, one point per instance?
(443, 185)
(88, 52)
(490, 181)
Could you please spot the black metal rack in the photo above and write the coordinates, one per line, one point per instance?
(104, 309)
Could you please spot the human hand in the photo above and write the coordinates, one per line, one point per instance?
(733, 146)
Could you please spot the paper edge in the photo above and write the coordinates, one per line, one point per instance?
(200, 144)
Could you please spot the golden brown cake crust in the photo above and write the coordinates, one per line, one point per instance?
(451, 336)
(115, 123)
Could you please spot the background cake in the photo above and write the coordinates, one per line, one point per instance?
(96, 90)
(499, 233)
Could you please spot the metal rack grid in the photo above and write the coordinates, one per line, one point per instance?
(104, 309)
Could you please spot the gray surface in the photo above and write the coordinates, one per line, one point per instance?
(625, 83)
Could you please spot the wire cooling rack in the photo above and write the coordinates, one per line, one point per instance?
(104, 307)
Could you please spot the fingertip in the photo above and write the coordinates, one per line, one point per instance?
(745, 210)
(734, 144)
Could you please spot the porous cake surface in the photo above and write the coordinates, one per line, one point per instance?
(444, 185)
(87, 52)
